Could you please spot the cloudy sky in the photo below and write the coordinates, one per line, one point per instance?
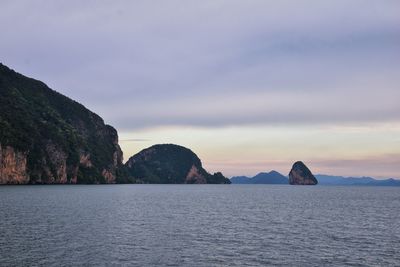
(248, 85)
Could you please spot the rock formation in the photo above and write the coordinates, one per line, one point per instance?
(46, 137)
(170, 164)
(301, 175)
(12, 166)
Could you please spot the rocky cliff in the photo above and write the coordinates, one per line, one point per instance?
(48, 138)
(301, 175)
(170, 164)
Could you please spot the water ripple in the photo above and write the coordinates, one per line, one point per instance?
(211, 225)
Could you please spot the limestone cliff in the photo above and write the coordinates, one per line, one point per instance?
(170, 164)
(301, 175)
(48, 138)
(12, 166)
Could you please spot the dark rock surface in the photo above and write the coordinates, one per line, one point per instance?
(301, 175)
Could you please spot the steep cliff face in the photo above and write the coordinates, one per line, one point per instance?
(46, 137)
(12, 166)
(170, 164)
(301, 175)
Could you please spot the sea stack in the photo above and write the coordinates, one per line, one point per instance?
(301, 175)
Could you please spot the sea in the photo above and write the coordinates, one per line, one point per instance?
(199, 225)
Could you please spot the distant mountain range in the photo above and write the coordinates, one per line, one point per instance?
(340, 180)
(275, 177)
(272, 177)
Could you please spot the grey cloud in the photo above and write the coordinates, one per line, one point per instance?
(151, 63)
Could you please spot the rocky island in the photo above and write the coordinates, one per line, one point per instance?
(301, 175)
(171, 164)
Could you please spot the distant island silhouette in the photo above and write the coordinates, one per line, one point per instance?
(274, 177)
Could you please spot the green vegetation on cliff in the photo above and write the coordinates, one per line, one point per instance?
(170, 164)
(64, 142)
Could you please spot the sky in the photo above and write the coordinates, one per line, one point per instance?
(248, 85)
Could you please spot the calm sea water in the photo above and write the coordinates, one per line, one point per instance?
(199, 225)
